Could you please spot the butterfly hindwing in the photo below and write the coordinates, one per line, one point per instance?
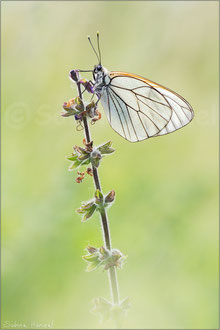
(138, 108)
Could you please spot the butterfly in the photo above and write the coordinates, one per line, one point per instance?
(138, 108)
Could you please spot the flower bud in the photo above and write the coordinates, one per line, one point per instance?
(91, 249)
(96, 154)
(103, 251)
(95, 158)
(109, 198)
(74, 75)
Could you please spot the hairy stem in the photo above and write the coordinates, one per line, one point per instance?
(103, 214)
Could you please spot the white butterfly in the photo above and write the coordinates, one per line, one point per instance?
(138, 108)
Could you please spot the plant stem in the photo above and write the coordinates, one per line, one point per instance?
(103, 214)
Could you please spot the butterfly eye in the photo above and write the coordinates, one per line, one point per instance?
(99, 68)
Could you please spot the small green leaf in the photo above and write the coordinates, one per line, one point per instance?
(93, 265)
(90, 258)
(87, 210)
(106, 148)
(82, 150)
(89, 213)
(72, 157)
(84, 207)
(83, 157)
(86, 161)
(75, 164)
(88, 205)
(104, 252)
(93, 258)
(79, 104)
(68, 113)
(98, 196)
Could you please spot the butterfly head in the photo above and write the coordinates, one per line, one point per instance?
(98, 68)
(99, 74)
(98, 71)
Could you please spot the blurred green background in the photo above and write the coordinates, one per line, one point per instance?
(165, 217)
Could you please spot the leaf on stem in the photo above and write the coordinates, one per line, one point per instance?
(72, 157)
(79, 157)
(79, 104)
(102, 308)
(73, 107)
(115, 259)
(83, 157)
(87, 210)
(75, 164)
(106, 148)
(107, 311)
(92, 258)
(103, 257)
(98, 196)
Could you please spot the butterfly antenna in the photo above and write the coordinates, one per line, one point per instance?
(99, 47)
(93, 48)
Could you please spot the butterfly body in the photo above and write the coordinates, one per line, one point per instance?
(138, 108)
(102, 79)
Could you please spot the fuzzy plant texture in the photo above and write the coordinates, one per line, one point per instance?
(89, 157)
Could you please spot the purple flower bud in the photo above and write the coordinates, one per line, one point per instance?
(74, 75)
(78, 117)
(64, 105)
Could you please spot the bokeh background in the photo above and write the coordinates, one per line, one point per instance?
(165, 218)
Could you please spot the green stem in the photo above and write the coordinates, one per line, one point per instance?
(104, 218)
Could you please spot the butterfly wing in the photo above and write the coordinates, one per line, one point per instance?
(138, 108)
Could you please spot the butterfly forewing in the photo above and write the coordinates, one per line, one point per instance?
(138, 108)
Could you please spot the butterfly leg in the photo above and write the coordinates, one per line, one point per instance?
(98, 97)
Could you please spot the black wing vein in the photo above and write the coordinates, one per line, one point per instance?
(123, 114)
